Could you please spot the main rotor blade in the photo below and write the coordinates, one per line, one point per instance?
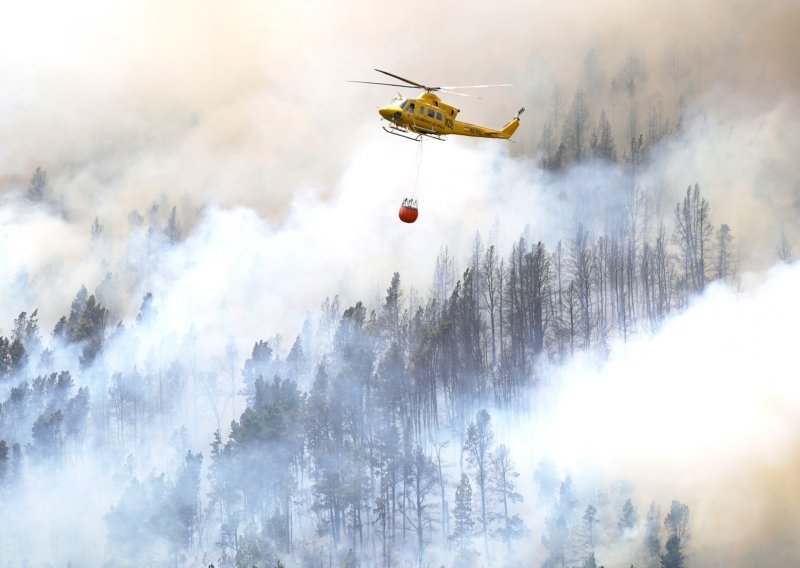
(402, 79)
(449, 92)
(387, 84)
(478, 86)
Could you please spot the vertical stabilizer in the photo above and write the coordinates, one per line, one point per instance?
(512, 125)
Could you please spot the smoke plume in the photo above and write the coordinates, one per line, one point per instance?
(704, 412)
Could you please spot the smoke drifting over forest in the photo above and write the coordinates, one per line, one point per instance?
(214, 157)
(704, 411)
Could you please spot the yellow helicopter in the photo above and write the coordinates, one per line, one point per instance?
(427, 115)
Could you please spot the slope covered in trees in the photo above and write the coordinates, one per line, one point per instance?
(371, 441)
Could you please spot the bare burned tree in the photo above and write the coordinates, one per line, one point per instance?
(693, 235)
(490, 279)
(37, 188)
(576, 129)
(724, 270)
(581, 267)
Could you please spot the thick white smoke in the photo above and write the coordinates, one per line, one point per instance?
(705, 412)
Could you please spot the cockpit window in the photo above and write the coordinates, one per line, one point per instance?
(402, 103)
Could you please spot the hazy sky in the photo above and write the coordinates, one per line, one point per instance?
(242, 102)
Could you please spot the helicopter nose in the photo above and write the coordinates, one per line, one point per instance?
(390, 112)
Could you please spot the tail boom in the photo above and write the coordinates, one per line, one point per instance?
(466, 129)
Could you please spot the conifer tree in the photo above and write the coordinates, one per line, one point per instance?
(478, 447)
(628, 519)
(463, 522)
(503, 478)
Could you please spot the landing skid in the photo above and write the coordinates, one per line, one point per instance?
(407, 134)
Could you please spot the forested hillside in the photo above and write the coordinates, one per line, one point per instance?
(370, 440)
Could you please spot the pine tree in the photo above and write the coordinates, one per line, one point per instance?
(260, 365)
(296, 359)
(37, 189)
(390, 314)
(423, 477)
(5, 462)
(97, 229)
(478, 447)
(173, 228)
(146, 310)
(502, 477)
(692, 235)
(575, 127)
(652, 535)
(628, 519)
(91, 330)
(558, 539)
(462, 516)
(677, 521)
(589, 520)
(673, 557)
(724, 244)
(185, 501)
(26, 330)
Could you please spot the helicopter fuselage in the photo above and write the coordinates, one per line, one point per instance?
(429, 115)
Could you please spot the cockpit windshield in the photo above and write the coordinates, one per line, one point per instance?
(402, 103)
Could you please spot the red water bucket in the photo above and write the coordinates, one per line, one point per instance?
(409, 211)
